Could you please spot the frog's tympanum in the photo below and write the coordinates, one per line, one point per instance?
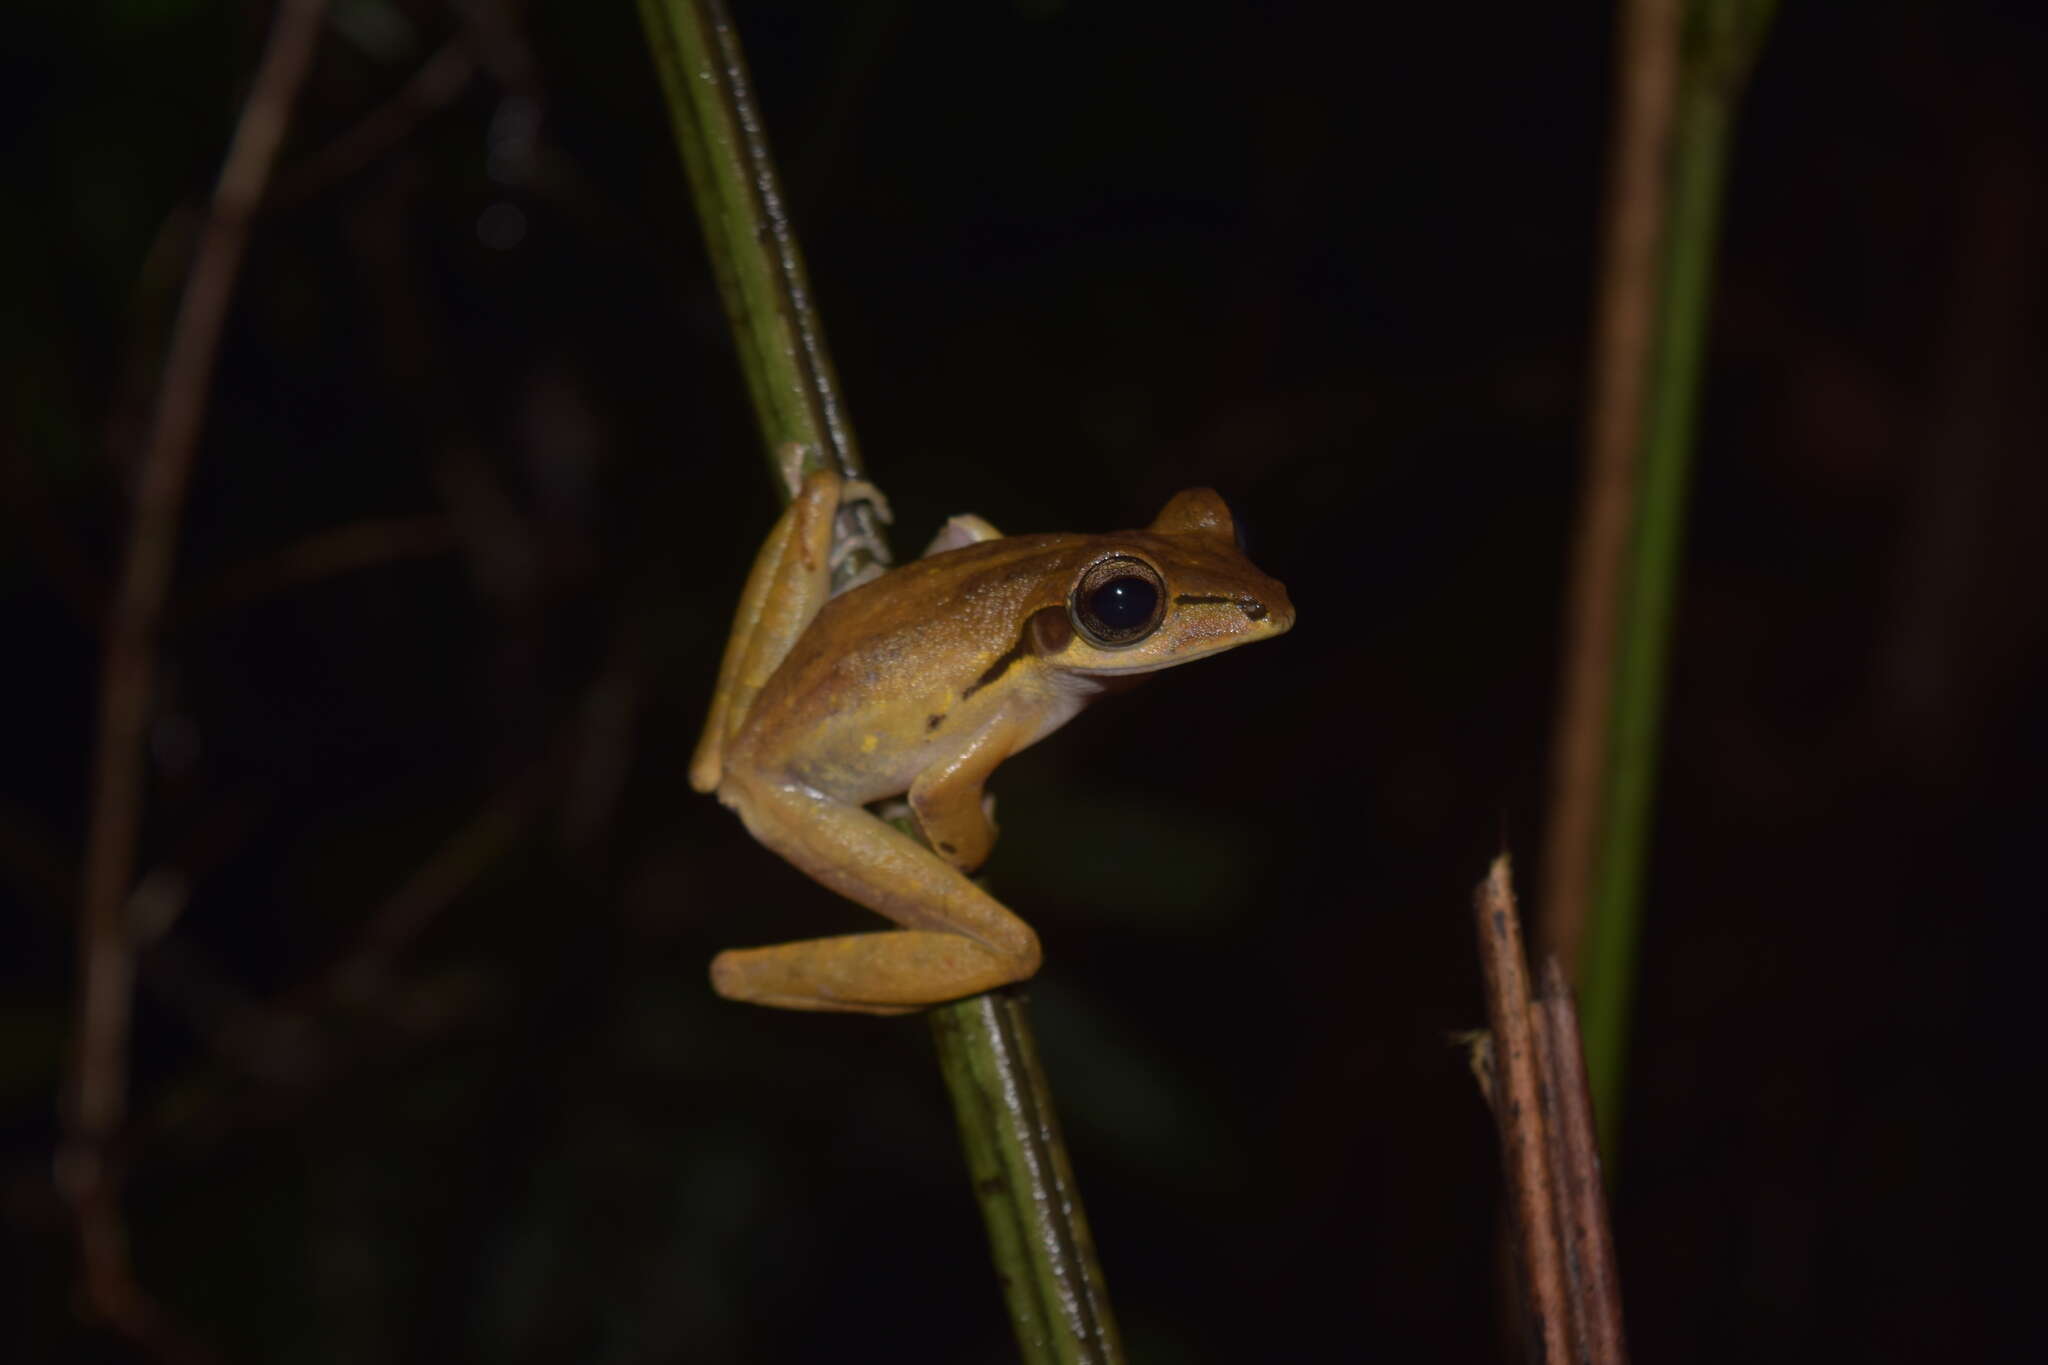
(918, 683)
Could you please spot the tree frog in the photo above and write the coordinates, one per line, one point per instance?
(918, 683)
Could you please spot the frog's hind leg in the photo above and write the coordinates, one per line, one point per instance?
(892, 972)
(790, 580)
(956, 938)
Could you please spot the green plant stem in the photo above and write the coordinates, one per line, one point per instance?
(1721, 39)
(776, 329)
(1044, 1256)
(1018, 1163)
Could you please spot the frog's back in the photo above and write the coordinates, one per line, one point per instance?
(862, 686)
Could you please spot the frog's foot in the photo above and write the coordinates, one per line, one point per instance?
(956, 940)
(886, 973)
(860, 490)
(790, 463)
(855, 536)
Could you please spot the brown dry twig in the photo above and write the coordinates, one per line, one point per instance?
(1533, 1074)
(96, 1103)
(1574, 1147)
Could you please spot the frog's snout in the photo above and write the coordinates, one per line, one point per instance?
(1274, 609)
(1266, 606)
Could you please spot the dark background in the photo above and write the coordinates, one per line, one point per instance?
(426, 1068)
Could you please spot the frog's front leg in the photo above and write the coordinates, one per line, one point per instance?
(956, 938)
(948, 802)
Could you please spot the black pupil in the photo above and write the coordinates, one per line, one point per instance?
(1124, 603)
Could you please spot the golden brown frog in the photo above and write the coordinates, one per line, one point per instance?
(919, 683)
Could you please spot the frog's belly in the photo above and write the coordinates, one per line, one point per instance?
(859, 777)
(858, 763)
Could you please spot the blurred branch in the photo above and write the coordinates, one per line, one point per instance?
(282, 1042)
(290, 1044)
(96, 1104)
(462, 858)
(325, 554)
(1534, 1079)
(430, 89)
(1645, 98)
(500, 42)
(1934, 676)
(1682, 70)
(1044, 1255)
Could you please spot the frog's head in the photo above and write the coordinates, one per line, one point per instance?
(1178, 590)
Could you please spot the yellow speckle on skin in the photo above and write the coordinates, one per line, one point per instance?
(869, 744)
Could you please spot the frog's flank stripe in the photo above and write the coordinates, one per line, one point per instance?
(1253, 609)
(1001, 665)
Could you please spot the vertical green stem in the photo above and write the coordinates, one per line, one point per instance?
(1044, 1256)
(753, 249)
(1036, 1229)
(775, 325)
(1722, 37)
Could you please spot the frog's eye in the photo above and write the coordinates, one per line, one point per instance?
(1119, 602)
